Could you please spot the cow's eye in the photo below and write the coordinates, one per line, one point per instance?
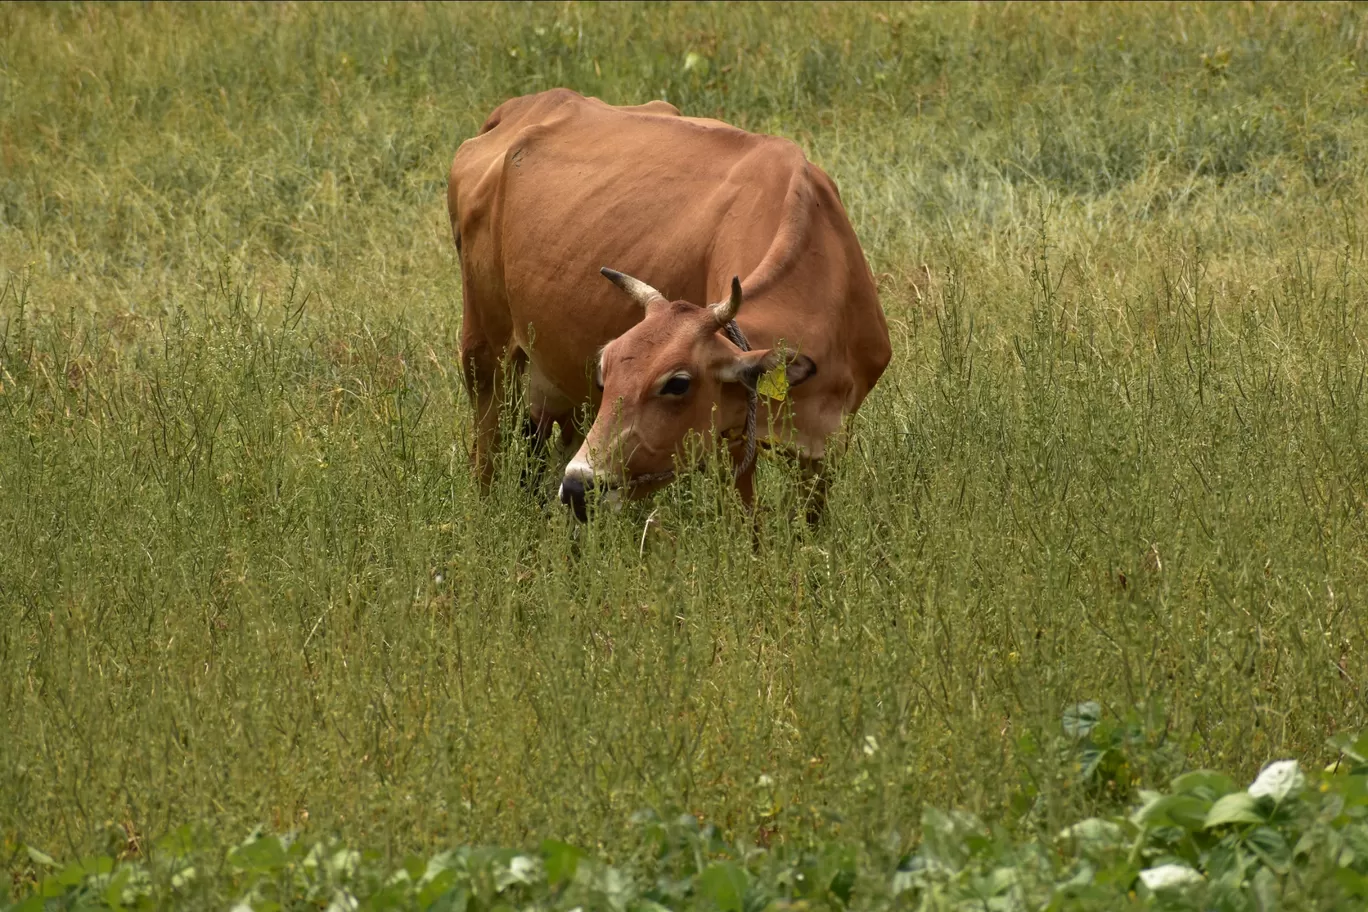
(677, 385)
(598, 379)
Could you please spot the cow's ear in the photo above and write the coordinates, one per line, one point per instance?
(799, 369)
(748, 367)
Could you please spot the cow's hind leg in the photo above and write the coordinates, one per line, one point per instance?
(485, 379)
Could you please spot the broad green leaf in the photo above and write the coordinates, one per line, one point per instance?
(1352, 882)
(1265, 886)
(436, 886)
(180, 841)
(840, 862)
(1090, 760)
(1356, 838)
(1148, 797)
(724, 885)
(1119, 873)
(1271, 848)
(1083, 877)
(1237, 807)
(1186, 811)
(456, 899)
(264, 855)
(113, 893)
(561, 861)
(1352, 789)
(1217, 783)
(1354, 746)
(72, 875)
(945, 837)
(998, 882)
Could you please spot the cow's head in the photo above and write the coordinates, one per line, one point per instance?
(663, 380)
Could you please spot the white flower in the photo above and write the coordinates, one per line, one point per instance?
(764, 781)
(871, 745)
(1169, 875)
(521, 869)
(1094, 832)
(1278, 780)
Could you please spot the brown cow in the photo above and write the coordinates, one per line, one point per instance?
(555, 186)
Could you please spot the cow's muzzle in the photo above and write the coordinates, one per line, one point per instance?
(572, 493)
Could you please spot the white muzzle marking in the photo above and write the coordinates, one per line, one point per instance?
(580, 470)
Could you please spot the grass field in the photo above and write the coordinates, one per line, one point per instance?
(246, 575)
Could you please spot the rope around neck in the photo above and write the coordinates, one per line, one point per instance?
(752, 400)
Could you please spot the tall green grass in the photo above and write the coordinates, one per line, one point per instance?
(247, 577)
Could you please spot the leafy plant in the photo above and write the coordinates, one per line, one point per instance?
(1203, 843)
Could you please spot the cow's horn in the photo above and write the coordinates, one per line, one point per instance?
(642, 293)
(725, 311)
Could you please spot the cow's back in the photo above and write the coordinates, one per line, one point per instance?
(557, 185)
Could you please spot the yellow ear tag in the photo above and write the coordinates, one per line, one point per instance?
(774, 383)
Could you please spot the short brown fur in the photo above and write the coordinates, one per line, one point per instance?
(557, 185)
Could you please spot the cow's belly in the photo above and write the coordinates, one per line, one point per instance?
(546, 400)
(560, 349)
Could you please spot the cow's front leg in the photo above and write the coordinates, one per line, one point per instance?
(538, 431)
(547, 407)
(815, 481)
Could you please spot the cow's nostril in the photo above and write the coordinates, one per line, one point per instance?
(573, 488)
(572, 493)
